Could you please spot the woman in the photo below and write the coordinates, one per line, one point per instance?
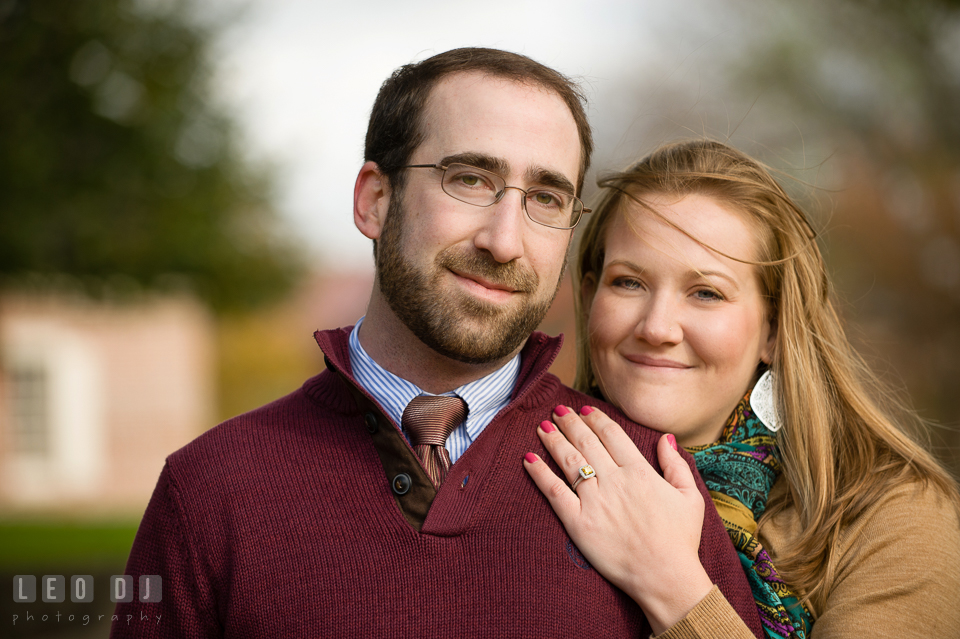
(698, 276)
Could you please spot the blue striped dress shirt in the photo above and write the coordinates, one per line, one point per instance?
(484, 397)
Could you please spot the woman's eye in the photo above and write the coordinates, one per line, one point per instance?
(708, 294)
(627, 283)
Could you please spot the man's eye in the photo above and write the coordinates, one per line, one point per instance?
(471, 181)
(546, 199)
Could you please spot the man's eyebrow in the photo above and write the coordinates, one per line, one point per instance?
(535, 176)
(540, 176)
(479, 160)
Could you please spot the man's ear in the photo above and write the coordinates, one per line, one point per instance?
(588, 288)
(371, 200)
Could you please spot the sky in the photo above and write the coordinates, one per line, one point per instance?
(300, 76)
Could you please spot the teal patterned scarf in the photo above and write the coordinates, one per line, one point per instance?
(740, 469)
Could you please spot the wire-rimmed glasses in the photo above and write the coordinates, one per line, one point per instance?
(479, 187)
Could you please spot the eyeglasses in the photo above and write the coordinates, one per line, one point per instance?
(479, 187)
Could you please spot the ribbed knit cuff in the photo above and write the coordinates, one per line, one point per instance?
(712, 617)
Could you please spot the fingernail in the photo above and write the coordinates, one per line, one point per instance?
(547, 426)
(561, 410)
(586, 410)
(673, 441)
(531, 458)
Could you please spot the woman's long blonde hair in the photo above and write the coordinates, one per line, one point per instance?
(844, 443)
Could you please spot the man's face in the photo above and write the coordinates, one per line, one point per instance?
(473, 282)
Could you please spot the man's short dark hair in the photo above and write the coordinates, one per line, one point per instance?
(396, 121)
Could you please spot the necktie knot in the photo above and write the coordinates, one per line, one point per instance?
(429, 420)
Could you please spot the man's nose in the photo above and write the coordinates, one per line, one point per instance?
(504, 225)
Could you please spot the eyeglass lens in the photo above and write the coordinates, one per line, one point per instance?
(482, 188)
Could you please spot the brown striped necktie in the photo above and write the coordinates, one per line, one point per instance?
(429, 420)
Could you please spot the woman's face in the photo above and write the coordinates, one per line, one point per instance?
(676, 330)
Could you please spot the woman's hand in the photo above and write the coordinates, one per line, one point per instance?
(639, 530)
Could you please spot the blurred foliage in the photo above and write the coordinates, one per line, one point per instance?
(263, 355)
(879, 82)
(114, 161)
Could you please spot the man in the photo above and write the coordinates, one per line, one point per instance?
(317, 515)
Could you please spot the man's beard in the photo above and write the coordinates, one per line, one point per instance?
(416, 297)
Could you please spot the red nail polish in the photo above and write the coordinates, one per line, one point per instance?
(531, 458)
(586, 410)
(547, 426)
(561, 410)
(673, 441)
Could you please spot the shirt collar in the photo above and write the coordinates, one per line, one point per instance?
(484, 397)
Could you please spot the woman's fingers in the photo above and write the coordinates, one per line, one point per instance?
(593, 438)
(562, 500)
(596, 440)
(675, 469)
(572, 454)
(564, 454)
(615, 440)
(581, 436)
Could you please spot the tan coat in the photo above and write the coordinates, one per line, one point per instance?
(896, 575)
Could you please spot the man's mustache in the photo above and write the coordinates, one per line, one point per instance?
(510, 274)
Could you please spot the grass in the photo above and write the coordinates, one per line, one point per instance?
(33, 545)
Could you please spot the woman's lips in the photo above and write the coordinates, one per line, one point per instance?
(656, 362)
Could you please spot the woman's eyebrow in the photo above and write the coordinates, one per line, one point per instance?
(695, 274)
(692, 274)
(627, 263)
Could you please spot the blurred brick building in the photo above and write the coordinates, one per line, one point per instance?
(94, 396)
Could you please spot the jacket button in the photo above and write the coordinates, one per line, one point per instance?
(371, 421)
(402, 484)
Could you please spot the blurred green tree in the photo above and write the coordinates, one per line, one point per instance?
(878, 81)
(115, 162)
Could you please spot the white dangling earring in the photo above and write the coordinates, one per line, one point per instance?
(764, 404)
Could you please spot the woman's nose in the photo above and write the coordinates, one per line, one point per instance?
(660, 322)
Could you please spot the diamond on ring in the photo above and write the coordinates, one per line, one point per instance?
(586, 472)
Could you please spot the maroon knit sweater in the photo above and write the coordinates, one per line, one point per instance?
(283, 522)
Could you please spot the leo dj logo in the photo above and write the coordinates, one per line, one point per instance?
(53, 588)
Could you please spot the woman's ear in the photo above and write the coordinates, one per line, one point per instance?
(588, 288)
(371, 200)
(766, 354)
